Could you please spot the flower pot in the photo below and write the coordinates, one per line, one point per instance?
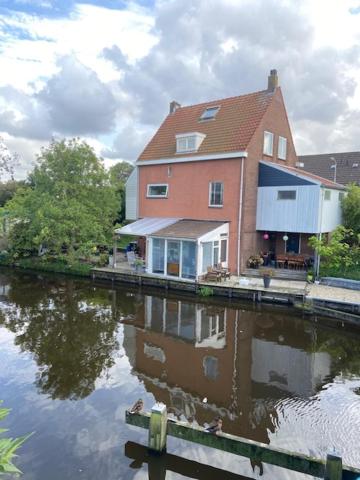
(267, 281)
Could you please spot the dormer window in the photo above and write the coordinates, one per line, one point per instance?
(189, 142)
(209, 113)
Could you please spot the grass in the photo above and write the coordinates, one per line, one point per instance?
(55, 266)
(352, 273)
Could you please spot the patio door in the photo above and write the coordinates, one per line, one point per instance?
(173, 258)
(293, 243)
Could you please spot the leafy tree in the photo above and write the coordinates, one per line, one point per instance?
(8, 160)
(70, 203)
(119, 173)
(8, 447)
(8, 190)
(341, 251)
(351, 209)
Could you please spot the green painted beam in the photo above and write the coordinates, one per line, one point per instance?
(244, 447)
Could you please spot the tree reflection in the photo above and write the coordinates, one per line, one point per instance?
(69, 330)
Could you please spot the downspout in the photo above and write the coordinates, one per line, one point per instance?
(240, 215)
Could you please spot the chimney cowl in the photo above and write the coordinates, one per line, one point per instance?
(273, 80)
(174, 106)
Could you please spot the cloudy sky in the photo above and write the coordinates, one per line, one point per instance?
(106, 70)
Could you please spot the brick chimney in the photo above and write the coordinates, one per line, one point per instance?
(273, 80)
(174, 106)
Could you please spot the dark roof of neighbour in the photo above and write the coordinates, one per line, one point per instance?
(192, 229)
(347, 170)
(307, 175)
(231, 130)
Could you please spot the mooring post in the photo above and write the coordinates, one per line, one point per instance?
(333, 467)
(157, 428)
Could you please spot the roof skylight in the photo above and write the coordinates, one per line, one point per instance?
(209, 113)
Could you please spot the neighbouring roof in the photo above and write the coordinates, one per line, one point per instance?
(192, 229)
(146, 226)
(302, 174)
(347, 169)
(230, 131)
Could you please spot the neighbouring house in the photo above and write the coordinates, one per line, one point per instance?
(339, 167)
(218, 183)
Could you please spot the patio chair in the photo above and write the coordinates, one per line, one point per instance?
(225, 273)
(131, 258)
(212, 274)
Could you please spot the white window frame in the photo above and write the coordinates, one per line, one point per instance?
(270, 150)
(282, 148)
(149, 185)
(222, 194)
(196, 139)
(327, 195)
(203, 118)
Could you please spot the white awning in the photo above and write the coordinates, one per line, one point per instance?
(146, 226)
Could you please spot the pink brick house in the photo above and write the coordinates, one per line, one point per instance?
(197, 186)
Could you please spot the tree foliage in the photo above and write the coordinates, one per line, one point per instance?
(8, 160)
(119, 173)
(8, 190)
(351, 209)
(69, 203)
(341, 251)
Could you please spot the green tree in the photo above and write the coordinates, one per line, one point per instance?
(69, 203)
(8, 160)
(351, 209)
(8, 190)
(119, 173)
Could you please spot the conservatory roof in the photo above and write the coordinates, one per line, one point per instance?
(146, 226)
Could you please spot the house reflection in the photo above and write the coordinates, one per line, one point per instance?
(244, 363)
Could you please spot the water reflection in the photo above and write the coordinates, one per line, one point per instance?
(246, 364)
(71, 335)
(270, 375)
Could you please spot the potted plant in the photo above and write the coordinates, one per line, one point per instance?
(267, 274)
(138, 264)
(255, 261)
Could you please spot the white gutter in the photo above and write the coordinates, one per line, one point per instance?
(240, 215)
(194, 158)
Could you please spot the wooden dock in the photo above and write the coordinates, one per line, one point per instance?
(159, 427)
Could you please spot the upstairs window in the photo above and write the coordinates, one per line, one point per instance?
(209, 113)
(216, 194)
(189, 142)
(268, 143)
(327, 195)
(286, 194)
(282, 148)
(157, 190)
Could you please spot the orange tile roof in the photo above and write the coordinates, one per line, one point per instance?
(230, 131)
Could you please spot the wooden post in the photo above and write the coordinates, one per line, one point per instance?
(114, 252)
(157, 428)
(333, 467)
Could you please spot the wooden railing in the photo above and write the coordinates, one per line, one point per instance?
(159, 427)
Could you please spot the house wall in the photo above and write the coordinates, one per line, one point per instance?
(275, 120)
(331, 215)
(298, 216)
(188, 194)
(131, 196)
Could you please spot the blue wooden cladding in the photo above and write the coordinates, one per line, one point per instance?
(274, 177)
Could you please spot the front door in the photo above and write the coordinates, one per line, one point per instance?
(293, 244)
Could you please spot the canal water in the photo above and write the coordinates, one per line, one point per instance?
(74, 355)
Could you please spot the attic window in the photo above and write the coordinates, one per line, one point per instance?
(209, 113)
(188, 142)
